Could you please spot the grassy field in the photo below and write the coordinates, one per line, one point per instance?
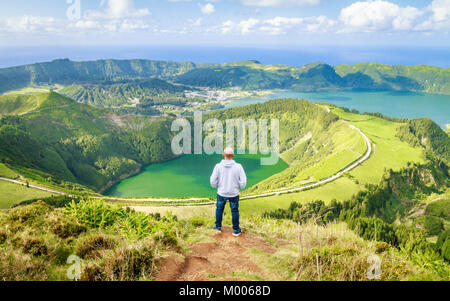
(31, 90)
(6, 172)
(389, 151)
(11, 194)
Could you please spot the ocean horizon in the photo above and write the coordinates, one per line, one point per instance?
(295, 56)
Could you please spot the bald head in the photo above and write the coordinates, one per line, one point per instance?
(228, 153)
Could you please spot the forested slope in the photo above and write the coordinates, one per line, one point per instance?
(70, 142)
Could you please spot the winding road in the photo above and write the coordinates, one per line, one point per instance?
(348, 168)
(185, 202)
(33, 186)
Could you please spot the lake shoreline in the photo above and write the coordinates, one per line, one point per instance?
(392, 103)
(192, 174)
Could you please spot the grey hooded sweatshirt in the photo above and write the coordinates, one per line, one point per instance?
(229, 177)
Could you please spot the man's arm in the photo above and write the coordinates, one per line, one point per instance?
(214, 180)
(242, 178)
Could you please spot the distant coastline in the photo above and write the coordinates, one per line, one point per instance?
(294, 55)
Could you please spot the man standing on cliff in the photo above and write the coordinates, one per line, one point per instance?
(229, 178)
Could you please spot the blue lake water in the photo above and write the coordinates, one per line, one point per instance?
(389, 103)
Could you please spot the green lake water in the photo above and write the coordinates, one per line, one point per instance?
(188, 176)
(390, 103)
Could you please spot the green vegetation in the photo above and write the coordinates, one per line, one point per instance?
(320, 76)
(332, 252)
(67, 72)
(395, 204)
(314, 142)
(125, 95)
(371, 213)
(114, 243)
(246, 75)
(440, 208)
(242, 76)
(6, 172)
(120, 244)
(424, 132)
(398, 77)
(60, 142)
(12, 194)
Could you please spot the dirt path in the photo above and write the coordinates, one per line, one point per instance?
(420, 209)
(218, 259)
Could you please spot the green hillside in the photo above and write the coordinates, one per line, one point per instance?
(142, 94)
(63, 142)
(383, 212)
(426, 133)
(68, 72)
(12, 194)
(398, 77)
(248, 75)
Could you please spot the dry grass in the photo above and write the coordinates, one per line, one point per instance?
(310, 252)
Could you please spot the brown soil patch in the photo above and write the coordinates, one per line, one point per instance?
(224, 256)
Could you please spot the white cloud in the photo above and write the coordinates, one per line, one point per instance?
(283, 21)
(279, 3)
(197, 22)
(247, 26)
(320, 24)
(227, 26)
(279, 25)
(117, 15)
(441, 10)
(378, 16)
(87, 24)
(207, 9)
(440, 16)
(117, 9)
(29, 24)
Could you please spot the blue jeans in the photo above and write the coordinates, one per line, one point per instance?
(234, 205)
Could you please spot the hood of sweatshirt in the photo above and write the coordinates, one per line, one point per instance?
(228, 163)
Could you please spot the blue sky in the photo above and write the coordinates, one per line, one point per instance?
(268, 23)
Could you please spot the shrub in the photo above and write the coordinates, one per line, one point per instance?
(29, 214)
(95, 213)
(443, 246)
(35, 247)
(128, 263)
(89, 246)
(54, 201)
(197, 221)
(92, 272)
(445, 251)
(61, 253)
(381, 247)
(439, 208)
(132, 263)
(433, 225)
(3, 236)
(64, 226)
(134, 225)
(16, 266)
